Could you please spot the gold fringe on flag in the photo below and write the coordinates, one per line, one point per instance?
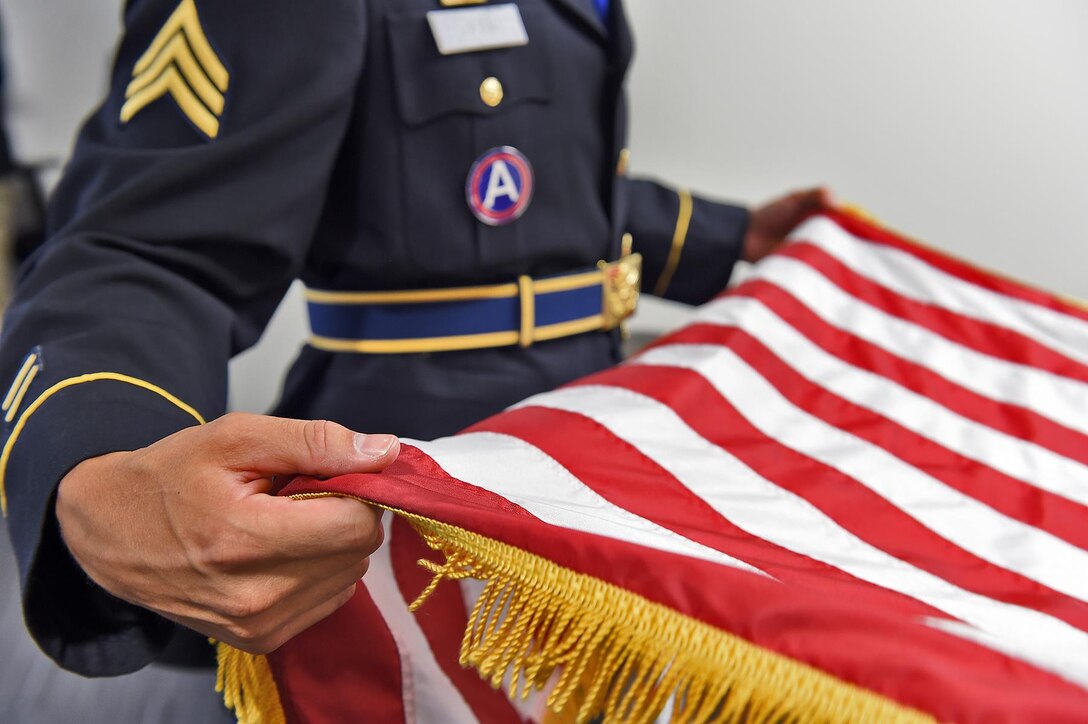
(615, 654)
(248, 689)
(620, 655)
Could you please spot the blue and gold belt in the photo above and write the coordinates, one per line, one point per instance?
(497, 315)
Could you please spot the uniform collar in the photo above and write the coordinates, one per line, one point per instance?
(586, 12)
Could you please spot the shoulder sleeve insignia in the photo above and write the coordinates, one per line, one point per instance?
(181, 62)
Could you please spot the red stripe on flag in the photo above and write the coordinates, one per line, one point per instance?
(345, 668)
(984, 337)
(1007, 418)
(852, 505)
(957, 267)
(1021, 501)
(415, 482)
(624, 476)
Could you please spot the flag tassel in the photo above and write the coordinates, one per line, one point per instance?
(611, 654)
(535, 618)
(247, 685)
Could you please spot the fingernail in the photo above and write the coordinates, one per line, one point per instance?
(374, 446)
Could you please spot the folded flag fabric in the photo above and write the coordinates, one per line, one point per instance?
(854, 488)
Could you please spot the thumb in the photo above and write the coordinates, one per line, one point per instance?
(279, 446)
(816, 198)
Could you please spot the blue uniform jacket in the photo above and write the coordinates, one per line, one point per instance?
(331, 145)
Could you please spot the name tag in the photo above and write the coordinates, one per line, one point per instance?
(485, 28)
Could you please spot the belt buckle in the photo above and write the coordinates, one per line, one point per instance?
(620, 285)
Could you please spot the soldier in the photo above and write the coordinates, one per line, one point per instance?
(450, 184)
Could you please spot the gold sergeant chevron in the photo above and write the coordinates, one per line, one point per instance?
(180, 61)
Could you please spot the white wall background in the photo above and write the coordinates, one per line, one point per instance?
(960, 122)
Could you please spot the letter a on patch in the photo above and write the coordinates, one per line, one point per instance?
(181, 63)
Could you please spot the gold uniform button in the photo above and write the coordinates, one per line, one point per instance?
(491, 91)
(623, 162)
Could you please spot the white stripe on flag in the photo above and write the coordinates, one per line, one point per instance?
(525, 475)
(1017, 458)
(915, 279)
(765, 510)
(428, 692)
(959, 518)
(1064, 660)
(1059, 398)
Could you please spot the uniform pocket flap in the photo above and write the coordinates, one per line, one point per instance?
(429, 85)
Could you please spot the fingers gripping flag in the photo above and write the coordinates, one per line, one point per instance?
(855, 488)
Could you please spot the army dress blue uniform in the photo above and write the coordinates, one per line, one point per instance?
(446, 212)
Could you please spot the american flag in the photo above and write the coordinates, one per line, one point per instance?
(854, 488)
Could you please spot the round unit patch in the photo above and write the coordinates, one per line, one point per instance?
(499, 186)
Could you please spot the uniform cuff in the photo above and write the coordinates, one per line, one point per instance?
(74, 621)
(715, 240)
